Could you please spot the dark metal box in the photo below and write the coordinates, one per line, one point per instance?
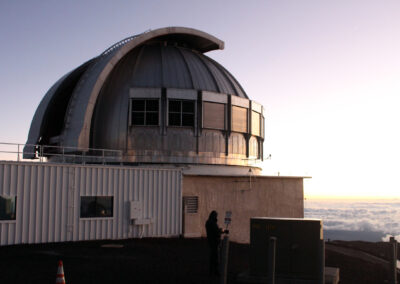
(298, 247)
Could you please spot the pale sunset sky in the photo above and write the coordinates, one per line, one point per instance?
(327, 73)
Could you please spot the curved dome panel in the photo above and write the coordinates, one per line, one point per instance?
(159, 66)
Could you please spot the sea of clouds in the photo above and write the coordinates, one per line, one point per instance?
(368, 220)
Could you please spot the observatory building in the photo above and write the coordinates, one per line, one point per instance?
(145, 139)
(158, 99)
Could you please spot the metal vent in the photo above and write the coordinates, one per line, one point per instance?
(191, 204)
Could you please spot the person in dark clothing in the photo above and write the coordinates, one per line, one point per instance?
(214, 239)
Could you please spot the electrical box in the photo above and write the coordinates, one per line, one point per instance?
(135, 209)
(298, 247)
(136, 214)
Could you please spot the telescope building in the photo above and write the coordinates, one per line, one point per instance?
(143, 140)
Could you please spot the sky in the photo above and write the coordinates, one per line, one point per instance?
(327, 73)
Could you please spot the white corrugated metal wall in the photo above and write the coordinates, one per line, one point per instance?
(48, 202)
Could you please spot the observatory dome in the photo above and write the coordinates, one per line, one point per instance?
(158, 99)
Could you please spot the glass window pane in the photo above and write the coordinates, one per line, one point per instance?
(137, 118)
(174, 119)
(152, 118)
(181, 113)
(187, 119)
(151, 105)
(145, 112)
(8, 207)
(137, 105)
(174, 106)
(188, 106)
(96, 206)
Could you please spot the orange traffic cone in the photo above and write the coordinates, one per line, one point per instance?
(60, 273)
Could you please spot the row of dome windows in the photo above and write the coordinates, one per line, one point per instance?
(145, 112)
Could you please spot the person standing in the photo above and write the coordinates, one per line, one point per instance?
(214, 240)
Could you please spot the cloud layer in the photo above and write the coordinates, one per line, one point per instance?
(377, 216)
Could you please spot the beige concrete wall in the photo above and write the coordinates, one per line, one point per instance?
(245, 197)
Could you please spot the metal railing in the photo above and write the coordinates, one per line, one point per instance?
(118, 44)
(121, 42)
(73, 155)
(59, 154)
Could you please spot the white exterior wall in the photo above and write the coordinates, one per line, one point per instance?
(48, 202)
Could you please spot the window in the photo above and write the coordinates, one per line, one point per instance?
(213, 115)
(144, 112)
(255, 123)
(239, 119)
(8, 207)
(180, 113)
(191, 204)
(96, 206)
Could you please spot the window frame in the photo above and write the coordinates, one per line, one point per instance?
(181, 112)
(235, 123)
(145, 111)
(253, 131)
(96, 216)
(204, 126)
(14, 197)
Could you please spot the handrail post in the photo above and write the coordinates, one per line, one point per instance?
(393, 260)
(18, 152)
(271, 260)
(224, 260)
(321, 261)
(63, 154)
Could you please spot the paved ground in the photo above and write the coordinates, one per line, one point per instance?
(160, 261)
